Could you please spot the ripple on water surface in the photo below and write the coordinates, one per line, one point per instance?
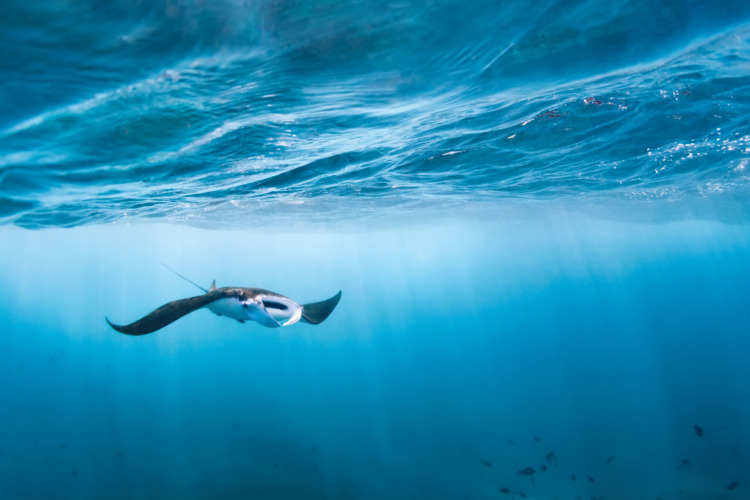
(230, 114)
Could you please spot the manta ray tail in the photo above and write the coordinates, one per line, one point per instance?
(189, 281)
(165, 315)
(317, 312)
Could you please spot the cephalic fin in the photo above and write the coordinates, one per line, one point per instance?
(266, 319)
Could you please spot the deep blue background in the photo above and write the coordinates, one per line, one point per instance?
(602, 339)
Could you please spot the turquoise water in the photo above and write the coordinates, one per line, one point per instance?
(233, 114)
(537, 214)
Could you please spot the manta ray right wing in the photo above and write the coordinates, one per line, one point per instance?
(166, 314)
(317, 312)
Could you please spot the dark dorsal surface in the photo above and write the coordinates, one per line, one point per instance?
(170, 312)
(317, 312)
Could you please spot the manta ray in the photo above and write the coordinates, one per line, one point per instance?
(243, 304)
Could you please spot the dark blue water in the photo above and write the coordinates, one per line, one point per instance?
(537, 213)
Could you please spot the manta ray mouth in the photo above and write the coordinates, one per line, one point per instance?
(270, 304)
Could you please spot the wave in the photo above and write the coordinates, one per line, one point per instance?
(229, 113)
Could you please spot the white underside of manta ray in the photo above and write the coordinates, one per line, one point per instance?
(243, 304)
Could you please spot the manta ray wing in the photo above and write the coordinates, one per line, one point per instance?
(166, 314)
(317, 312)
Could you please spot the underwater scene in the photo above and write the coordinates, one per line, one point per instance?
(297, 249)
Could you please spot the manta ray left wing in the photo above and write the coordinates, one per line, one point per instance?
(166, 314)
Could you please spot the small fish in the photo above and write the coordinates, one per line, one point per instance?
(572, 475)
(510, 442)
(528, 471)
(549, 457)
(610, 459)
(732, 485)
(591, 479)
(543, 468)
(505, 490)
(486, 463)
(523, 495)
(685, 461)
(698, 430)
(537, 439)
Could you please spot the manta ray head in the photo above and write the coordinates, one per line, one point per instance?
(282, 310)
(255, 310)
(268, 310)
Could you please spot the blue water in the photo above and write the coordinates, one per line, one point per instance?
(537, 213)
